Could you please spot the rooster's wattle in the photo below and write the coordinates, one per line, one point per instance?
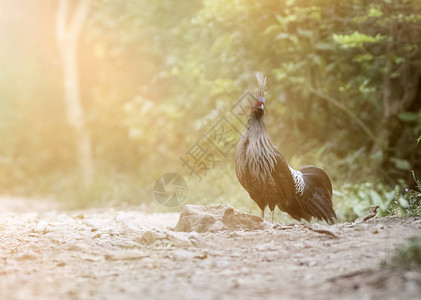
(268, 179)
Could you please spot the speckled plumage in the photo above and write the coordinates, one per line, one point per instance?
(298, 181)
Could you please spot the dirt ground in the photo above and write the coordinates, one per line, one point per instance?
(46, 253)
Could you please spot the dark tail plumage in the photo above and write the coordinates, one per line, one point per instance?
(317, 196)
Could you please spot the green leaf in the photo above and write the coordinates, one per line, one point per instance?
(316, 59)
(376, 198)
(408, 116)
(390, 195)
(305, 33)
(403, 202)
(282, 36)
(323, 46)
(378, 156)
(272, 28)
(375, 12)
(294, 39)
(401, 164)
(397, 59)
(363, 58)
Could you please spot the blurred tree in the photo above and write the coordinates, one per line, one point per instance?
(67, 33)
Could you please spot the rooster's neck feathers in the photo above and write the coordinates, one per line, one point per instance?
(255, 152)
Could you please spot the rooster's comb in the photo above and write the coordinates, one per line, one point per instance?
(261, 86)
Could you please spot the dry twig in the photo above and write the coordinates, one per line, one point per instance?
(350, 275)
(282, 227)
(324, 231)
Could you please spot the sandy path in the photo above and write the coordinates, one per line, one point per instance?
(113, 254)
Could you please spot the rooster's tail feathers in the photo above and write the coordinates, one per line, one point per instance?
(317, 194)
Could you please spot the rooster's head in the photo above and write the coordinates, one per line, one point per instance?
(259, 105)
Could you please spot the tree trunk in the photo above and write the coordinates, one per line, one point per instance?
(67, 38)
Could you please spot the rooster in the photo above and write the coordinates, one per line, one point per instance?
(270, 181)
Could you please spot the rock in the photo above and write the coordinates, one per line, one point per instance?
(27, 256)
(181, 255)
(91, 257)
(217, 217)
(222, 263)
(361, 226)
(379, 226)
(182, 239)
(125, 255)
(151, 236)
(60, 264)
(265, 247)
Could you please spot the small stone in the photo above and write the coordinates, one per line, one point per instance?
(265, 247)
(379, 226)
(125, 255)
(182, 239)
(80, 216)
(151, 236)
(222, 263)
(182, 255)
(26, 256)
(60, 264)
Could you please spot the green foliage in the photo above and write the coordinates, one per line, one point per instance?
(355, 200)
(408, 256)
(356, 39)
(409, 203)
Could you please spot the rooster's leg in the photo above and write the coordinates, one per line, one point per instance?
(263, 213)
(271, 215)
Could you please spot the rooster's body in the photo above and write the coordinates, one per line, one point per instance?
(268, 179)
